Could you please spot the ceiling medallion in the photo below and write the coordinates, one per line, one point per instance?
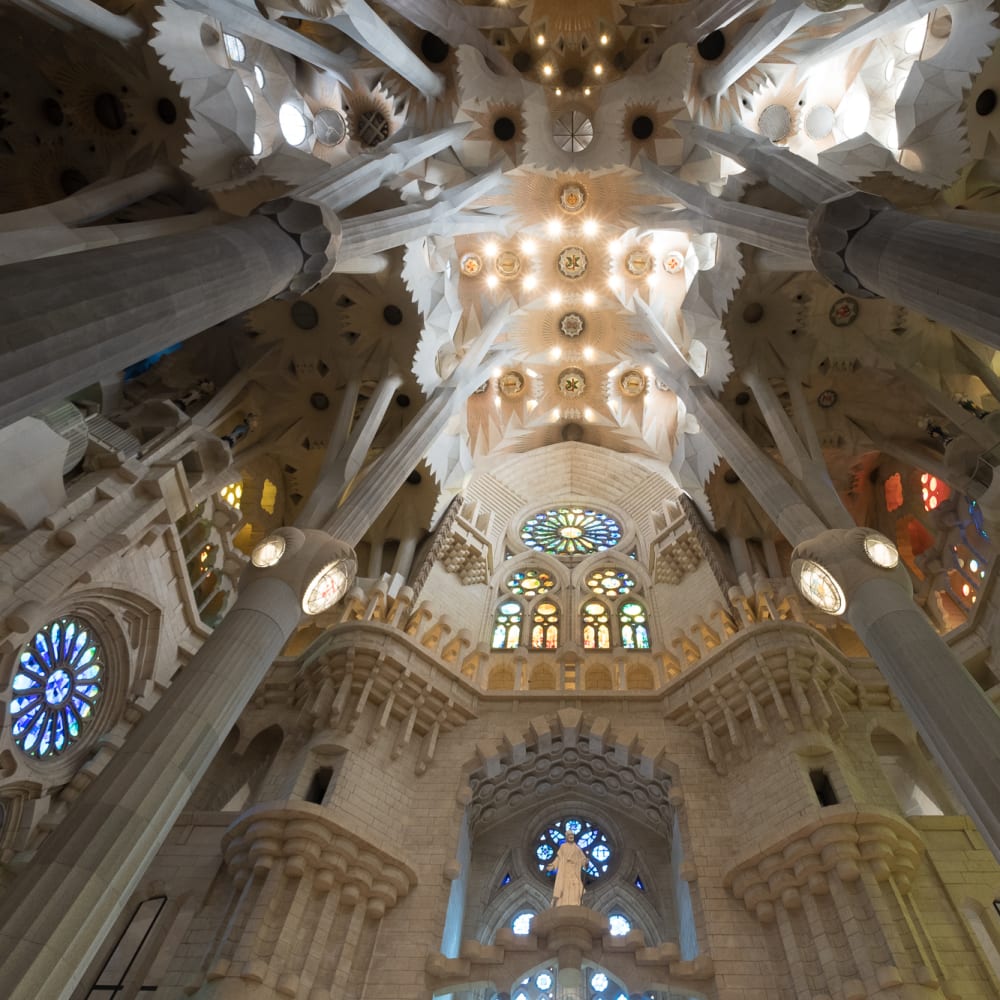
(571, 325)
(844, 311)
(827, 398)
(572, 198)
(638, 262)
(673, 262)
(572, 262)
(508, 264)
(511, 384)
(633, 383)
(572, 383)
(471, 265)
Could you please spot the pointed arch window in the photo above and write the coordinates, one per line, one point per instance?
(545, 626)
(507, 626)
(632, 619)
(596, 626)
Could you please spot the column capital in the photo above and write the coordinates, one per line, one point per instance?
(829, 568)
(318, 568)
(317, 231)
(832, 226)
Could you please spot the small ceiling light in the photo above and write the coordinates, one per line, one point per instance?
(598, 69)
(491, 249)
(555, 298)
(555, 353)
(529, 246)
(268, 552)
(604, 39)
(586, 91)
(614, 282)
(589, 298)
(540, 39)
(530, 282)
(492, 281)
(881, 552)
(554, 227)
(590, 227)
(547, 69)
(558, 91)
(588, 353)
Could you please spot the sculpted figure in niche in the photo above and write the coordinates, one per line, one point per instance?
(568, 866)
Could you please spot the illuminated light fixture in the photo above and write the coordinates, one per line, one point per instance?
(497, 372)
(647, 371)
(531, 372)
(614, 282)
(530, 282)
(818, 586)
(554, 227)
(588, 413)
(586, 91)
(604, 39)
(588, 353)
(492, 281)
(881, 552)
(590, 227)
(326, 588)
(547, 70)
(555, 298)
(555, 353)
(558, 91)
(491, 249)
(556, 414)
(589, 298)
(540, 39)
(529, 246)
(598, 69)
(268, 552)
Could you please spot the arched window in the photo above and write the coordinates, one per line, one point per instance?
(632, 619)
(596, 627)
(545, 626)
(507, 629)
(57, 685)
(521, 924)
(620, 924)
(589, 838)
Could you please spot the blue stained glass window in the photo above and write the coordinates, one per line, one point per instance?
(571, 531)
(620, 924)
(507, 626)
(589, 838)
(632, 618)
(57, 686)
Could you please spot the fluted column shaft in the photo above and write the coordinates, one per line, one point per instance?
(68, 320)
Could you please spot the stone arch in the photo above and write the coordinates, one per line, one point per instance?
(501, 678)
(598, 678)
(232, 770)
(525, 894)
(638, 677)
(543, 677)
(984, 925)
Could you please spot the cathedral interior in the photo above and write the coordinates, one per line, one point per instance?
(431, 429)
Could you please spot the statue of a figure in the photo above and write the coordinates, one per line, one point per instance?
(568, 865)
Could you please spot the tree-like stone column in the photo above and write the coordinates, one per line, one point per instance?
(58, 912)
(959, 724)
(945, 270)
(70, 319)
(956, 720)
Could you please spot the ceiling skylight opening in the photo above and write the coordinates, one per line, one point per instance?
(854, 112)
(292, 123)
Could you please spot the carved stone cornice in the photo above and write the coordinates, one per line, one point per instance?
(304, 839)
(835, 842)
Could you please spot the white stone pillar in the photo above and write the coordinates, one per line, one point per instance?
(944, 270)
(68, 320)
(950, 711)
(58, 912)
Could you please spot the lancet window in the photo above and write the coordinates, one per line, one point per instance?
(632, 622)
(545, 626)
(596, 626)
(507, 625)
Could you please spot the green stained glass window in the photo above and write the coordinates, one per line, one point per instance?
(609, 582)
(507, 626)
(530, 582)
(571, 531)
(632, 619)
